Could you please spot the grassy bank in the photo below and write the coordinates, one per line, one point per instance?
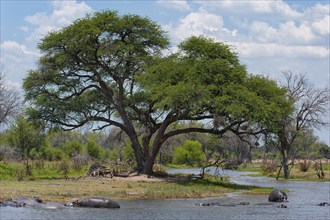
(296, 173)
(60, 190)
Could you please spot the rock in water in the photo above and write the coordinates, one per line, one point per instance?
(96, 202)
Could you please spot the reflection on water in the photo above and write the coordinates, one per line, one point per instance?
(303, 199)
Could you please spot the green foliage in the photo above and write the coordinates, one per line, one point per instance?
(25, 136)
(73, 148)
(190, 153)
(52, 153)
(112, 155)
(206, 76)
(94, 150)
(128, 152)
(104, 49)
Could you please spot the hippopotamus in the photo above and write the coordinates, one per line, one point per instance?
(28, 202)
(220, 204)
(277, 196)
(95, 202)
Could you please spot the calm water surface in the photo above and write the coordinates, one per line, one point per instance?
(303, 199)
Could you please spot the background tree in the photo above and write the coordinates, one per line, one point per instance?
(25, 136)
(9, 100)
(107, 68)
(310, 105)
(189, 153)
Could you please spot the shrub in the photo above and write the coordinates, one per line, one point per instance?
(39, 164)
(63, 166)
(128, 152)
(268, 166)
(94, 150)
(9, 153)
(189, 153)
(73, 147)
(113, 155)
(52, 153)
(79, 161)
(304, 166)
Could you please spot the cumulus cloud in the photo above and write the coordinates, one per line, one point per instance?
(272, 50)
(17, 59)
(287, 33)
(265, 7)
(322, 26)
(63, 14)
(12, 46)
(178, 4)
(200, 23)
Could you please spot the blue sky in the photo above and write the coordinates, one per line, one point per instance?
(269, 36)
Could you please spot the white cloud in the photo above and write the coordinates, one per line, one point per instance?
(64, 13)
(287, 33)
(262, 50)
(252, 8)
(200, 23)
(16, 48)
(178, 4)
(262, 32)
(322, 26)
(17, 59)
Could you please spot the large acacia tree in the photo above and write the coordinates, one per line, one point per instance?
(107, 68)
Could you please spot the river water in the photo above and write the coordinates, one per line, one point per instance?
(303, 198)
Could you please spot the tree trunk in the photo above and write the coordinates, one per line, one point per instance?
(285, 164)
(138, 154)
(148, 169)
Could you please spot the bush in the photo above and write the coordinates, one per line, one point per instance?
(189, 153)
(52, 153)
(79, 161)
(94, 150)
(128, 152)
(304, 166)
(9, 153)
(113, 155)
(63, 166)
(268, 166)
(73, 148)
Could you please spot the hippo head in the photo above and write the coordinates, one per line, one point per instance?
(277, 196)
(75, 203)
(282, 196)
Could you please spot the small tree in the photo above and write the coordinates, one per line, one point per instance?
(310, 105)
(25, 136)
(9, 100)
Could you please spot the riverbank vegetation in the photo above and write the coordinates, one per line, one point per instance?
(135, 187)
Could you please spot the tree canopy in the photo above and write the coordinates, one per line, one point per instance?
(109, 68)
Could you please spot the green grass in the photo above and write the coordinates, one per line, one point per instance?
(51, 170)
(295, 174)
(48, 183)
(59, 190)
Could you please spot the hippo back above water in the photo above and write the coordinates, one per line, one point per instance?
(96, 202)
(277, 196)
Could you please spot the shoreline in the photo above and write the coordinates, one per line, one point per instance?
(119, 188)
